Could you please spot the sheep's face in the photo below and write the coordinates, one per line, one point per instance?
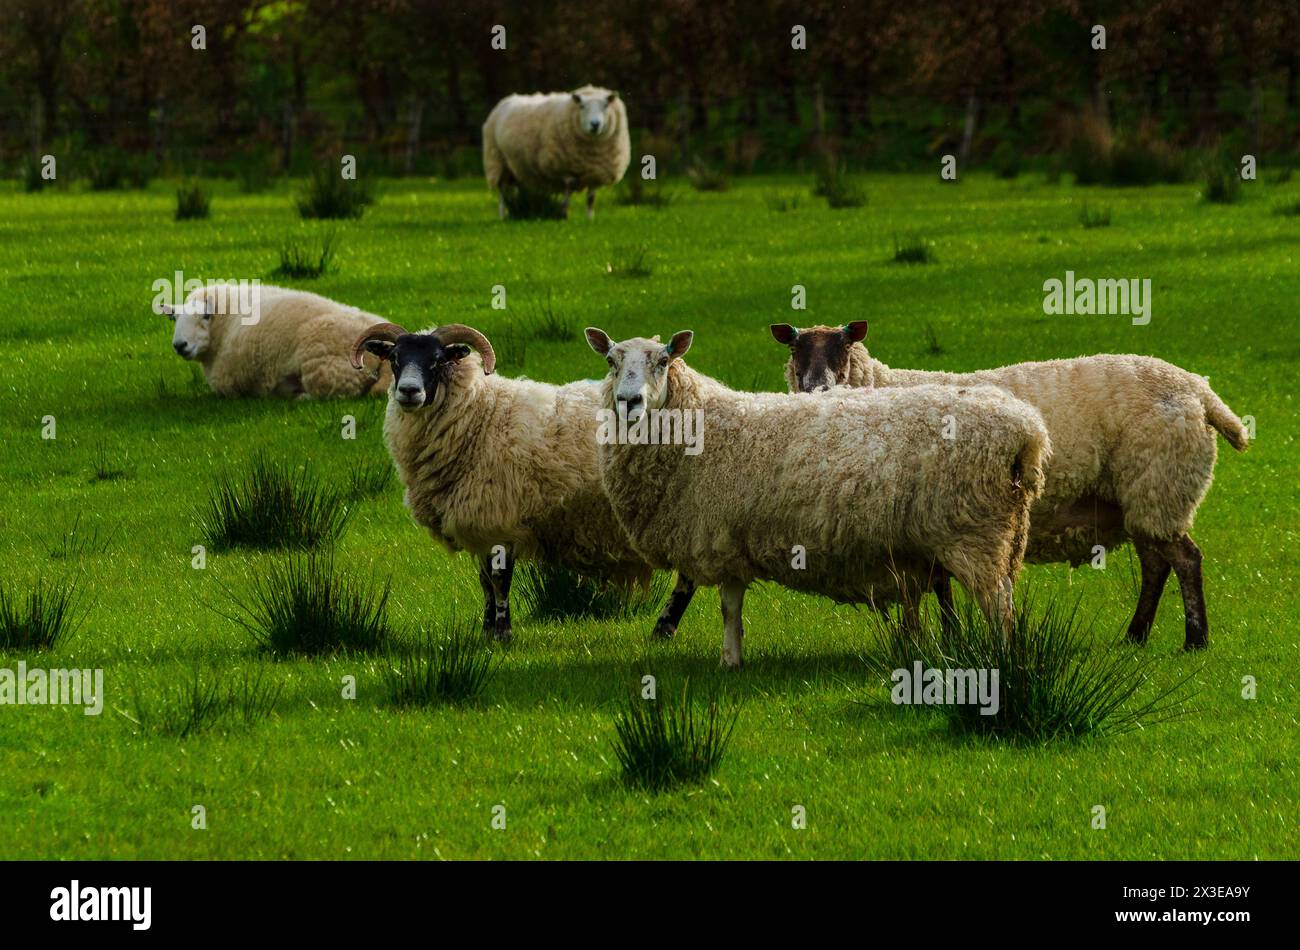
(639, 369)
(819, 356)
(594, 113)
(422, 368)
(193, 329)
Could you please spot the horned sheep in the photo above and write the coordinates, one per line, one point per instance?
(1133, 452)
(272, 341)
(501, 468)
(556, 142)
(873, 492)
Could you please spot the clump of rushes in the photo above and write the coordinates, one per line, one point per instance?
(1222, 185)
(450, 670)
(552, 327)
(272, 505)
(634, 192)
(629, 260)
(549, 591)
(328, 195)
(912, 250)
(306, 260)
(1094, 219)
(705, 178)
(1054, 681)
(833, 183)
(203, 701)
(192, 202)
(672, 740)
(368, 479)
(40, 618)
(302, 607)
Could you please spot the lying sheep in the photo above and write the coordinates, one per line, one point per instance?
(559, 141)
(857, 499)
(1133, 452)
(501, 468)
(271, 341)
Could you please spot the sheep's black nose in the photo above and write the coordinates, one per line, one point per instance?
(409, 389)
(179, 348)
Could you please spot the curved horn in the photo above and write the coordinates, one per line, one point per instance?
(380, 331)
(459, 333)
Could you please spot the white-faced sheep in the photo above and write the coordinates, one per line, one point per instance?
(1133, 452)
(556, 142)
(270, 341)
(856, 499)
(501, 468)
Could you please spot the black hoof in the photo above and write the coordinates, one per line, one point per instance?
(1196, 643)
(1138, 637)
(664, 630)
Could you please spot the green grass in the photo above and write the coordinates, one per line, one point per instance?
(334, 774)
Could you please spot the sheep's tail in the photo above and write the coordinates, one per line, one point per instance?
(1027, 469)
(1222, 418)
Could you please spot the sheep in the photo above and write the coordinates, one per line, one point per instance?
(501, 468)
(559, 141)
(1133, 457)
(274, 342)
(853, 498)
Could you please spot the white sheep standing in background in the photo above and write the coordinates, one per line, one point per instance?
(869, 489)
(557, 142)
(501, 468)
(272, 341)
(1133, 451)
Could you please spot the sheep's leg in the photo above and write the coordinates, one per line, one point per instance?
(591, 203)
(678, 601)
(501, 203)
(943, 594)
(564, 205)
(489, 596)
(1185, 558)
(1155, 571)
(501, 577)
(733, 628)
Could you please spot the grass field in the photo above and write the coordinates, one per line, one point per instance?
(140, 441)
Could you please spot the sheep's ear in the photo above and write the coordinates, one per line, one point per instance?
(381, 348)
(856, 331)
(456, 352)
(599, 340)
(680, 343)
(166, 310)
(611, 97)
(577, 98)
(783, 333)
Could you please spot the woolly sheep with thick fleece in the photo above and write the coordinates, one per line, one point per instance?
(557, 142)
(871, 490)
(272, 341)
(501, 468)
(1133, 451)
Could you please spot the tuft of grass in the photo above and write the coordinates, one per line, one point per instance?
(1222, 185)
(1054, 682)
(629, 260)
(272, 505)
(39, 618)
(525, 205)
(833, 183)
(30, 175)
(510, 341)
(328, 195)
(453, 669)
(192, 202)
(203, 702)
(301, 606)
(369, 479)
(1291, 209)
(105, 470)
(780, 202)
(550, 326)
(672, 740)
(912, 250)
(549, 591)
(932, 345)
(703, 177)
(306, 260)
(634, 192)
(1094, 219)
(75, 543)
